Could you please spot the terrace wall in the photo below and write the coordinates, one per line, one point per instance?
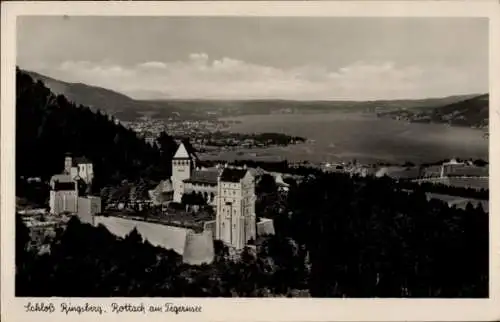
(195, 248)
(168, 237)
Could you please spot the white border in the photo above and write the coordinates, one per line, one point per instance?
(252, 309)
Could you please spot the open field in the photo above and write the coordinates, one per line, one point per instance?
(463, 182)
(459, 202)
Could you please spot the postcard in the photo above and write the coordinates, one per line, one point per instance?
(250, 161)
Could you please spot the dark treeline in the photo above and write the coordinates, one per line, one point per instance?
(48, 126)
(367, 237)
(337, 236)
(87, 261)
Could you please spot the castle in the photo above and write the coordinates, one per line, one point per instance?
(230, 190)
(186, 178)
(69, 190)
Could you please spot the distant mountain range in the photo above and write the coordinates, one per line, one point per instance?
(463, 110)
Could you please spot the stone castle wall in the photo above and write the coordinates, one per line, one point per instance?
(196, 248)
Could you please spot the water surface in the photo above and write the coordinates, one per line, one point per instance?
(346, 136)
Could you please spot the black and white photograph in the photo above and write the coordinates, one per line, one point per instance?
(252, 157)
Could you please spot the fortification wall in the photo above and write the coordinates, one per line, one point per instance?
(168, 237)
(265, 227)
(88, 207)
(199, 248)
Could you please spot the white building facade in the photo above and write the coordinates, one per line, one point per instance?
(64, 188)
(79, 167)
(182, 165)
(235, 218)
(187, 179)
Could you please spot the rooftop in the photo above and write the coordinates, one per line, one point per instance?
(204, 176)
(182, 152)
(81, 160)
(233, 174)
(77, 160)
(61, 178)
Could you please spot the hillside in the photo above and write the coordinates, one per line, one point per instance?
(126, 108)
(470, 112)
(49, 125)
(98, 98)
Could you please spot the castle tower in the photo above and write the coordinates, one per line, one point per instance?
(235, 219)
(68, 164)
(182, 166)
(198, 248)
(85, 170)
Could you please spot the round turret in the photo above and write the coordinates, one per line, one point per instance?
(199, 248)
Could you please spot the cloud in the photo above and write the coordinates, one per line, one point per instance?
(227, 78)
(153, 65)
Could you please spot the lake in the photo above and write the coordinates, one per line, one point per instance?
(342, 136)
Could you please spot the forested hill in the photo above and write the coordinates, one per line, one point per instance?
(119, 105)
(470, 112)
(109, 101)
(49, 125)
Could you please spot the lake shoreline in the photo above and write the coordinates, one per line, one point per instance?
(345, 136)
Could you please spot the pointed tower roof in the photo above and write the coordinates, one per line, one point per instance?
(182, 152)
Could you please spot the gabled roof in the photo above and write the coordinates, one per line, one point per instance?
(204, 176)
(81, 160)
(186, 151)
(233, 175)
(77, 160)
(61, 178)
(182, 152)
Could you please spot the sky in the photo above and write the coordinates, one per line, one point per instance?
(299, 58)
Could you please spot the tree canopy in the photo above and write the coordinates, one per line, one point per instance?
(48, 126)
(337, 237)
